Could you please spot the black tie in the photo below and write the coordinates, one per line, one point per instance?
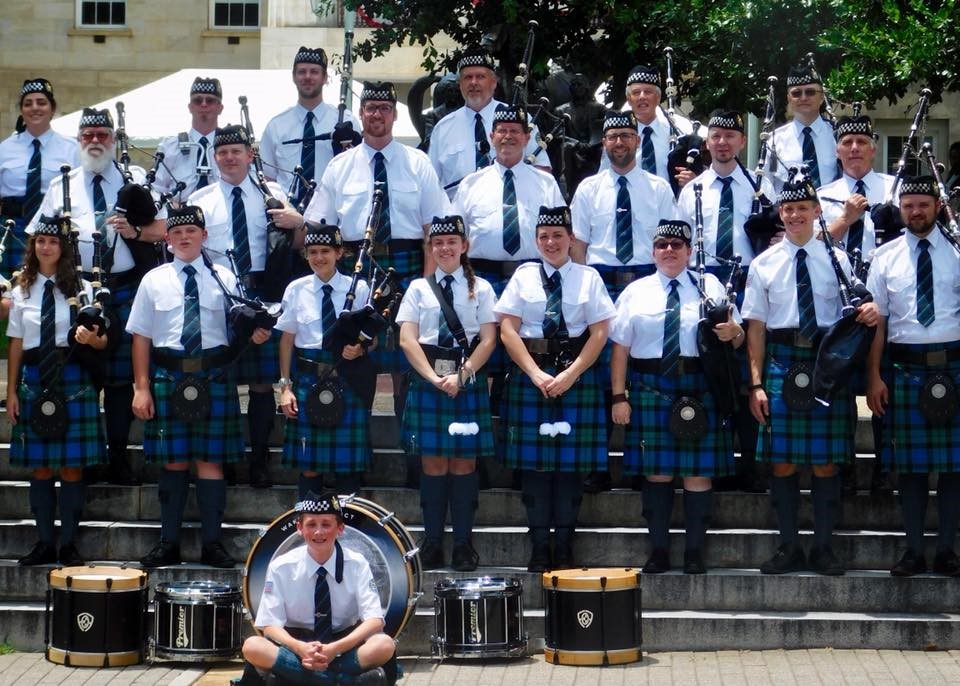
(855, 235)
(445, 338)
(511, 216)
(480, 140)
(48, 336)
(725, 220)
(190, 335)
(380, 181)
(100, 218)
(308, 153)
(553, 322)
(34, 193)
(925, 305)
(810, 156)
(328, 314)
(202, 179)
(648, 158)
(624, 222)
(322, 619)
(670, 357)
(805, 305)
(241, 243)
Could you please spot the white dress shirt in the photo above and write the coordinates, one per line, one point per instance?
(421, 306)
(302, 307)
(833, 195)
(661, 141)
(181, 161)
(787, 145)
(24, 321)
(16, 151)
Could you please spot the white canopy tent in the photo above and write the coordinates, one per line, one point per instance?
(159, 109)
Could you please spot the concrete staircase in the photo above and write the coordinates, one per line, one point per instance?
(733, 606)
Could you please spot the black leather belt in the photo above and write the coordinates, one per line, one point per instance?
(391, 247)
(115, 280)
(552, 346)
(12, 207)
(793, 337)
(505, 268)
(905, 354)
(32, 356)
(191, 365)
(435, 352)
(318, 368)
(653, 365)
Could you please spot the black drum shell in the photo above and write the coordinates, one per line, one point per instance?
(478, 617)
(212, 621)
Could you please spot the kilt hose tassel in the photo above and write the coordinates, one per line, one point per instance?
(697, 506)
(913, 489)
(43, 504)
(72, 497)
(785, 492)
(172, 489)
(657, 508)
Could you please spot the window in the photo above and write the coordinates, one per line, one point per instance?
(892, 136)
(100, 13)
(235, 14)
(914, 167)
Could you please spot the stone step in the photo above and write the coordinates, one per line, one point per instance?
(718, 590)
(497, 507)
(497, 546)
(663, 630)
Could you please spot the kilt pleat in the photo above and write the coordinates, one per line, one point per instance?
(584, 449)
(344, 448)
(911, 444)
(260, 364)
(823, 435)
(650, 448)
(430, 412)
(218, 438)
(82, 444)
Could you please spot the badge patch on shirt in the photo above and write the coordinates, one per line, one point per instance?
(373, 586)
(268, 587)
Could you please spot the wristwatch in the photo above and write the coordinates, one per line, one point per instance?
(284, 382)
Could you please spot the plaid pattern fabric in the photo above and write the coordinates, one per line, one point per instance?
(608, 274)
(16, 246)
(584, 449)
(822, 436)
(345, 448)
(82, 444)
(259, 364)
(910, 444)
(430, 412)
(499, 362)
(120, 363)
(219, 438)
(648, 446)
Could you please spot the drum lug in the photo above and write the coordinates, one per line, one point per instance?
(386, 518)
(410, 554)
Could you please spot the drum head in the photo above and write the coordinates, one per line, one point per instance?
(593, 579)
(97, 578)
(370, 531)
(195, 590)
(477, 586)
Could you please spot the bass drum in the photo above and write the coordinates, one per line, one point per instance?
(370, 531)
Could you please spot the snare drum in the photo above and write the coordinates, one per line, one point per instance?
(592, 616)
(370, 531)
(478, 618)
(195, 621)
(95, 616)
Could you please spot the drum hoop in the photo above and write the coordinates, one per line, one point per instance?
(196, 591)
(119, 659)
(618, 579)
(396, 541)
(593, 657)
(78, 579)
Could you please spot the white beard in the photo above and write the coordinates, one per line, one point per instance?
(96, 164)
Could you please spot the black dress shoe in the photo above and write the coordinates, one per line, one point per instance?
(215, 555)
(658, 562)
(431, 555)
(540, 559)
(788, 558)
(250, 677)
(823, 561)
(465, 558)
(41, 554)
(693, 562)
(947, 563)
(597, 482)
(911, 563)
(372, 677)
(164, 553)
(260, 476)
(69, 556)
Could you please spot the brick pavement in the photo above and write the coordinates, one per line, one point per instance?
(736, 668)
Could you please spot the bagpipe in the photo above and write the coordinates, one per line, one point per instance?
(244, 314)
(686, 150)
(951, 231)
(764, 220)
(8, 227)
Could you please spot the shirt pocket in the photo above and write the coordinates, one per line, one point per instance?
(307, 313)
(405, 195)
(450, 162)
(534, 304)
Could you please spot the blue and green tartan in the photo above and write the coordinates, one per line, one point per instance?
(219, 438)
(650, 449)
(607, 273)
(823, 435)
(344, 448)
(260, 364)
(910, 444)
(82, 444)
(499, 362)
(15, 247)
(583, 450)
(408, 265)
(119, 370)
(429, 414)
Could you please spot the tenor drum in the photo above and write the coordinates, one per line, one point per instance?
(196, 621)
(479, 617)
(592, 616)
(95, 616)
(370, 531)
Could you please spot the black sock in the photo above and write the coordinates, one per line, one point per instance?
(536, 498)
(434, 495)
(72, 498)
(43, 504)
(211, 501)
(697, 506)
(172, 487)
(948, 509)
(826, 506)
(914, 494)
(463, 505)
(657, 508)
(785, 491)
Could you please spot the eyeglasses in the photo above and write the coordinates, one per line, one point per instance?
(89, 136)
(204, 100)
(625, 137)
(373, 109)
(803, 92)
(673, 245)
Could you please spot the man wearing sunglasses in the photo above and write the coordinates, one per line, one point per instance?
(808, 139)
(188, 156)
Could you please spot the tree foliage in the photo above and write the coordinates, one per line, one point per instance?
(724, 50)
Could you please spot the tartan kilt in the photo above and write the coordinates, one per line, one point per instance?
(607, 271)
(499, 361)
(824, 435)
(82, 444)
(120, 363)
(429, 413)
(910, 444)
(649, 448)
(218, 438)
(345, 448)
(584, 449)
(260, 364)
(15, 247)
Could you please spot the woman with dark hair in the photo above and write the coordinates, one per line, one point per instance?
(447, 422)
(51, 399)
(29, 159)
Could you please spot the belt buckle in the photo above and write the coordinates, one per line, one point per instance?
(192, 365)
(624, 277)
(538, 346)
(935, 358)
(444, 367)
